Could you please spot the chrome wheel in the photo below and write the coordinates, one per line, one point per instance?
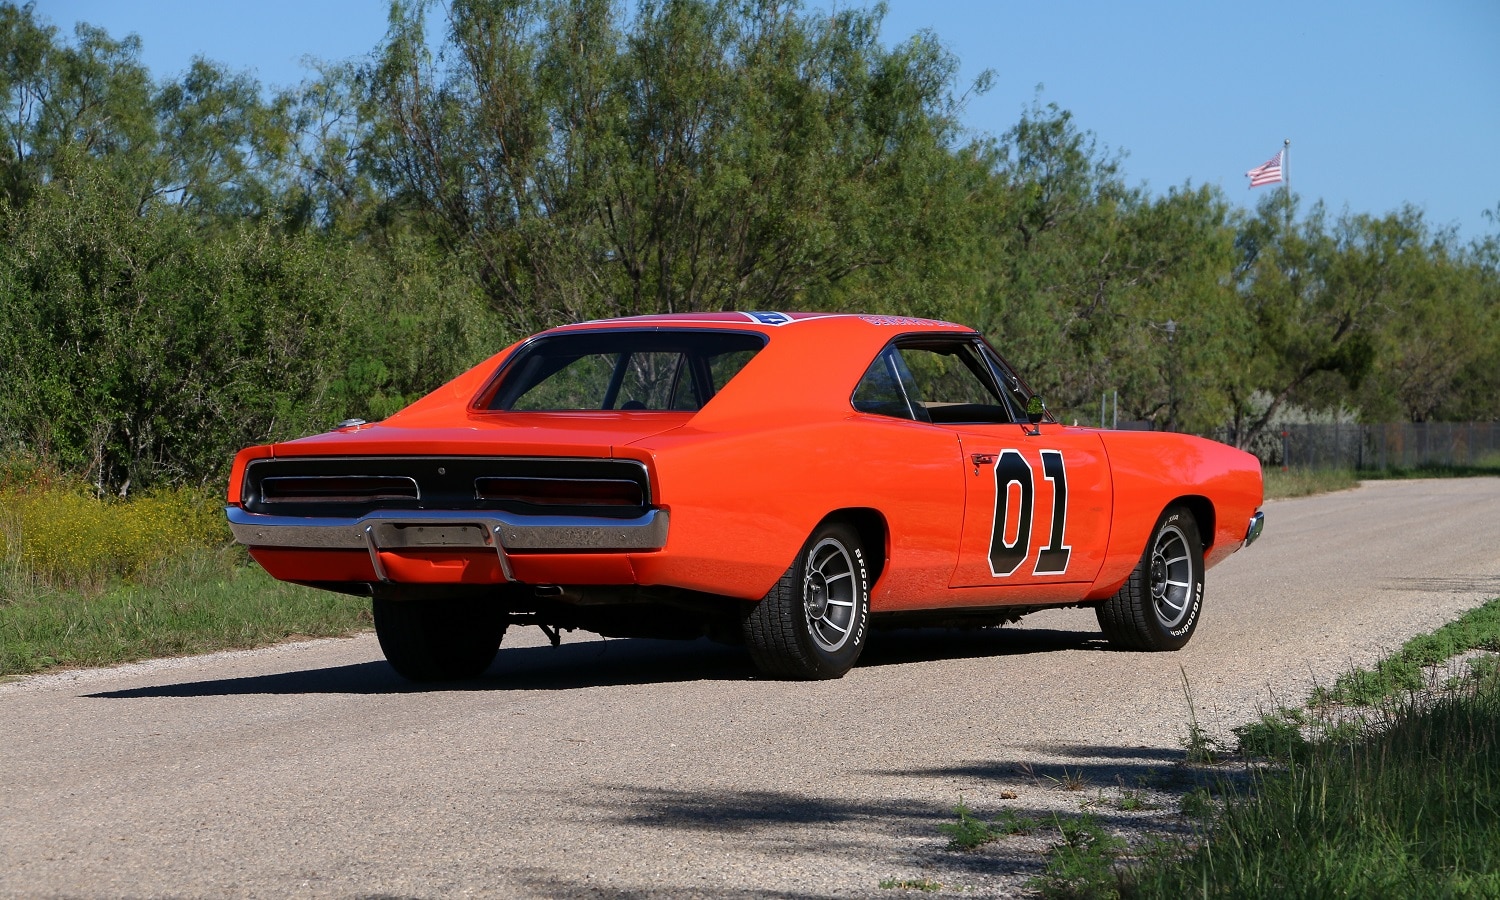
(829, 594)
(1171, 576)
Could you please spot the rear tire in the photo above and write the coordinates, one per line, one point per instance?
(444, 639)
(1158, 606)
(814, 621)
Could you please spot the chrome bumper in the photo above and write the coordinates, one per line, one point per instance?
(1257, 525)
(497, 532)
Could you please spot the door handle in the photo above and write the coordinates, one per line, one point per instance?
(982, 459)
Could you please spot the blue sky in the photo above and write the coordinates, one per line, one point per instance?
(1385, 103)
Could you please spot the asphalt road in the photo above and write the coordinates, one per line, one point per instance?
(653, 769)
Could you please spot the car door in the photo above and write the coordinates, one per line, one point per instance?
(1036, 500)
(1036, 506)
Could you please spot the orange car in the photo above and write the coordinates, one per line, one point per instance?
(784, 481)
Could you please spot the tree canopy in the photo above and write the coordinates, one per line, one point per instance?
(195, 263)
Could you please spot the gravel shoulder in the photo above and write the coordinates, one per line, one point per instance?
(642, 768)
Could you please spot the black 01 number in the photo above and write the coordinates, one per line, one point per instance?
(1007, 556)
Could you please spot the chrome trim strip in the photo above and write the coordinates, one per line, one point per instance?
(375, 554)
(491, 529)
(505, 568)
(1257, 525)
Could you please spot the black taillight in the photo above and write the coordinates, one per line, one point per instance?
(337, 488)
(561, 491)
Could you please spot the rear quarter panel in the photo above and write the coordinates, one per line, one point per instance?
(743, 503)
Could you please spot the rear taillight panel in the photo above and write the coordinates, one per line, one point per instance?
(343, 487)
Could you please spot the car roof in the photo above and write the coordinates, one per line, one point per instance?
(810, 365)
(766, 321)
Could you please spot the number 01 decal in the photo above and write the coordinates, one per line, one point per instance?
(1007, 556)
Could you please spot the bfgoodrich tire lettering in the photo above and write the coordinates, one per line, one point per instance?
(1158, 606)
(814, 621)
(438, 639)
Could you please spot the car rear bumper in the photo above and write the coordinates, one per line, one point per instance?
(448, 530)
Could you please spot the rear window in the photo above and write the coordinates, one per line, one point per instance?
(621, 369)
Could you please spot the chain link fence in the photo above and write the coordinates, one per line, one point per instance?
(1395, 446)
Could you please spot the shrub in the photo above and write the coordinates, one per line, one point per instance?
(69, 538)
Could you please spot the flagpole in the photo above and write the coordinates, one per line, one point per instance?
(1286, 177)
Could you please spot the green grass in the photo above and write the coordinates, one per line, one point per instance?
(89, 582)
(1487, 465)
(1384, 786)
(969, 832)
(1281, 484)
(910, 884)
(1387, 785)
(195, 601)
(1402, 671)
(1411, 809)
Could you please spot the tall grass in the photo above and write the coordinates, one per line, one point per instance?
(1411, 809)
(69, 538)
(1283, 483)
(85, 581)
(1387, 785)
(1403, 671)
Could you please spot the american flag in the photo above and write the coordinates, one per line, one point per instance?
(1268, 172)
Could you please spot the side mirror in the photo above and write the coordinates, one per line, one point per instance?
(1035, 410)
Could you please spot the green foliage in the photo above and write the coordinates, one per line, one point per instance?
(968, 833)
(85, 581)
(189, 265)
(1081, 867)
(71, 539)
(1402, 672)
(1198, 803)
(1280, 484)
(140, 350)
(706, 155)
(910, 884)
(1406, 810)
(1202, 748)
(1009, 822)
(1277, 735)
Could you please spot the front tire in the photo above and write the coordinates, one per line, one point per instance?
(814, 621)
(1158, 606)
(438, 639)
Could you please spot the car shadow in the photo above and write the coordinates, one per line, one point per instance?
(620, 662)
(913, 645)
(566, 667)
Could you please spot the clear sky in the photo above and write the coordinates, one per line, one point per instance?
(1385, 102)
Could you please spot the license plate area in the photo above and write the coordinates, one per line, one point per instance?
(396, 536)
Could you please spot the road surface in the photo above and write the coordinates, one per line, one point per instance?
(653, 769)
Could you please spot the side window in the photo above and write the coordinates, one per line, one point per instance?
(1010, 385)
(885, 389)
(954, 382)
